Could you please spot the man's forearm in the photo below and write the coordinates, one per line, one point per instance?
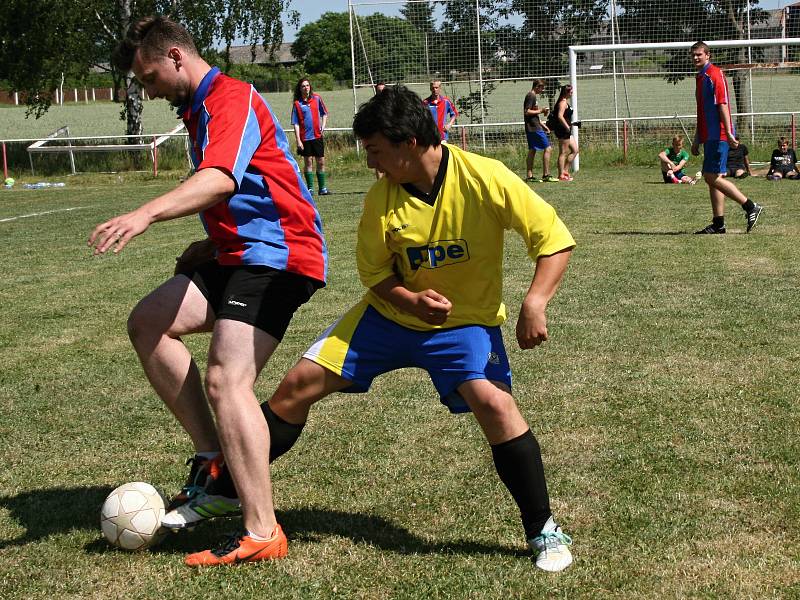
(202, 190)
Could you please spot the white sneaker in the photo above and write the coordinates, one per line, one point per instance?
(551, 548)
(201, 508)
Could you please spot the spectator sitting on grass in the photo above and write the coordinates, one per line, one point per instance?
(673, 159)
(782, 163)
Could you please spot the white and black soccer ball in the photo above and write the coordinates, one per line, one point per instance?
(131, 516)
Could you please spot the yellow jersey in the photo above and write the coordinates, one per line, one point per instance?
(453, 243)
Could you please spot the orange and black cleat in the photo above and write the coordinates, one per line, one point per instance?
(241, 548)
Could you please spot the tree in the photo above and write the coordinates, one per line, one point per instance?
(42, 41)
(646, 20)
(420, 15)
(324, 45)
(539, 45)
(393, 47)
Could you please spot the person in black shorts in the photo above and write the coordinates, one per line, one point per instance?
(782, 165)
(309, 118)
(739, 161)
(560, 124)
(265, 255)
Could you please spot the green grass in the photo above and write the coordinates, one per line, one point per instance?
(665, 404)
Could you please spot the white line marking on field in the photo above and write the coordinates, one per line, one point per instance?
(39, 214)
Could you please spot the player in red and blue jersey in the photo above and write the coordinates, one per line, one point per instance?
(715, 131)
(309, 118)
(442, 108)
(264, 257)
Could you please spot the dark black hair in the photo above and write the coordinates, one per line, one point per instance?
(152, 36)
(297, 94)
(398, 114)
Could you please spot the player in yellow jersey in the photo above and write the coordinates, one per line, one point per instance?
(430, 251)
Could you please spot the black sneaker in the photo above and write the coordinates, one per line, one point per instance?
(711, 229)
(752, 216)
(196, 481)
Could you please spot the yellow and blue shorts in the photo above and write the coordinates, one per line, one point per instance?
(363, 344)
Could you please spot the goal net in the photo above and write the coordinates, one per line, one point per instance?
(634, 85)
(640, 93)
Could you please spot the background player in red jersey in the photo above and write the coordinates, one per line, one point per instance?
(715, 132)
(309, 118)
(442, 108)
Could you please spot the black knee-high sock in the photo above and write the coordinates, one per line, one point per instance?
(282, 434)
(519, 464)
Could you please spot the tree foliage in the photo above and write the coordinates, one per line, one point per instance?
(539, 45)
(44, 40)
(324, 45)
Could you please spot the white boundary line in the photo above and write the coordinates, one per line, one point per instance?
(47, 212)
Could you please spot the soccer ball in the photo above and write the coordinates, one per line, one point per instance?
(699, 174)
(131, 516)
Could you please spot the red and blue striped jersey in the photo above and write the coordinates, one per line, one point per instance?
(711, 91)
(442, 109)
(308, 115)
(271, 218)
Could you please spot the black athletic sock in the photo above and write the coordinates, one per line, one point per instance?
(519, 464)
(748, 206)
(282, 434)
(718, 222)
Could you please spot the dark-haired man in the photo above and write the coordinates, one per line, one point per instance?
(435, 221)
(264, 257)
(715, 131)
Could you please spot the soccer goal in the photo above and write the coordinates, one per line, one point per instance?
(629, 93)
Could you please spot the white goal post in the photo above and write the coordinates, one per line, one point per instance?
(575, 51)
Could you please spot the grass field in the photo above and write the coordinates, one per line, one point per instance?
(665, 403)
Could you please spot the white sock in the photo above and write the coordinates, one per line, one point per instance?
(255, 537)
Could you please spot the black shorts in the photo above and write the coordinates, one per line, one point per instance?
(561, 132)
(260, 296)
(313, 148)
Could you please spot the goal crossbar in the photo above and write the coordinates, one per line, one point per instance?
(573, 52)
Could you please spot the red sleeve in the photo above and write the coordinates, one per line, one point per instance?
(720, 87)
(232, 131)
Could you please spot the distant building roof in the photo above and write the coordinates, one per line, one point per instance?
(243, 55)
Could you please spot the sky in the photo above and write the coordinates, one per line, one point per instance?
(311, 10)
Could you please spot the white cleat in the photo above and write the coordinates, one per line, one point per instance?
(551, 548)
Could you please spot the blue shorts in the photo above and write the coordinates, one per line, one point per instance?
(537, 140)
(355, 347)
(715, 156)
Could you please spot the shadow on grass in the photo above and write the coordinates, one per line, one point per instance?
(59, 510)
(643, 232)
(53, 511)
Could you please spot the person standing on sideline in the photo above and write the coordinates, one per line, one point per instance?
(715, 131)
(264, 257)
(442, 108)
(309, 118)
(560, 123)
(536, 132)
(437, 219)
